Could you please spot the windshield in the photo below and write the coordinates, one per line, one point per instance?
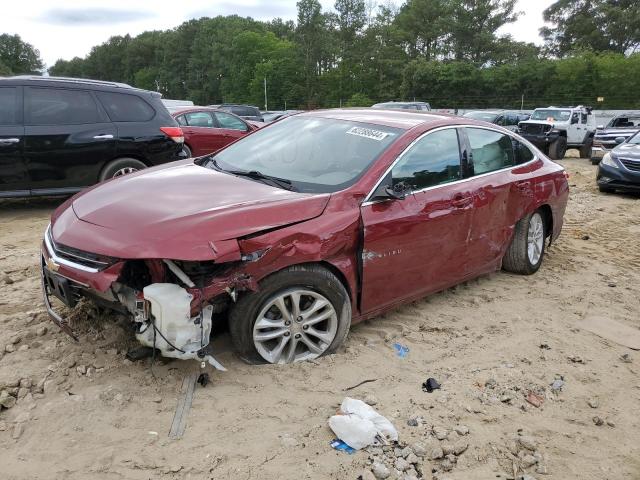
(635, 140)
(551, 115)
(316, 154)
(485, 116)
(624, 122)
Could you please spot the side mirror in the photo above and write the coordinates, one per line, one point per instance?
(397, 191)
(620, 140)
(387, 190)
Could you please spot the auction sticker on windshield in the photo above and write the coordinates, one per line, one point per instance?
(367, 133)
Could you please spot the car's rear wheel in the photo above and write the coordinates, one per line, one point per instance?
(186, 151)
(120, 167)
(595, 161)
(526, 251)
(299, 313)
(606, 189)
(558, 148)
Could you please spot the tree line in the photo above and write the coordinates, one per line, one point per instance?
(446, 52)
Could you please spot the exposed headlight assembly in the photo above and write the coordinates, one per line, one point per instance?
(609, 161)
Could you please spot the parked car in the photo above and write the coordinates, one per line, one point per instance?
(504, 118)
(420, 106)
(619, 169)
(60, 135)
(269, 117)
(248, 112)
(555, 129)
(622, 126)
(318, 221)
(207, 130)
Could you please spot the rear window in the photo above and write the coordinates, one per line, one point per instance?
(245, 111)
(122, 107)
(8, 105)
(56, 106)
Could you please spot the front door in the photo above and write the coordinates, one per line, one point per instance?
(575, 133)
(231, 127)
(67, 139)
(203, 135)
(418, 245)
(13, 173)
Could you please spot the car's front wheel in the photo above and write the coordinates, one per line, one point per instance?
(526, 250)
(299, 313)
(558, 148)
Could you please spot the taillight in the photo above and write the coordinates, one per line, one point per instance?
(174, 133)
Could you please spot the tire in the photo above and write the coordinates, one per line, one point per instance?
(517, 258)
(606, 189)
(186, 150)
(311, 279)
(595, 161)
(119, 167)
(586, 149)
(558, 149)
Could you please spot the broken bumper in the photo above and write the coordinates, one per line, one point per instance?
(52, 284)
(541, 141)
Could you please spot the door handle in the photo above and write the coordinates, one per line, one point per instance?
(103, 137)
(9, 141)
(460, 201)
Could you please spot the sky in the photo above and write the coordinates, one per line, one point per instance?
(69, 28)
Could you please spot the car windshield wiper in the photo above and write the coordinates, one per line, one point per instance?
(277, 181)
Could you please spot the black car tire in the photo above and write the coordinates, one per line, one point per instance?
(606, 189)
(558, 149)
(186, 151)
(243, 315)
(113, 168)
(595, 161)
(516, 259)
(586, 149)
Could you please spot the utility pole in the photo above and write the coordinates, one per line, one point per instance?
(265, 95)
(522, 104)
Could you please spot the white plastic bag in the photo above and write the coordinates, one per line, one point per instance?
(360, 424)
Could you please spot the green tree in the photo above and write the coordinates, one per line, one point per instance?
(19, 57)
(596, 25)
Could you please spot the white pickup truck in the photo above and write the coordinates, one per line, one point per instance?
(556, 129)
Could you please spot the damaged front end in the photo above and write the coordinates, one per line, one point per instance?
(171, 303)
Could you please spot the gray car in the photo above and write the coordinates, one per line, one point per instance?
(617, 130)
(505, 118)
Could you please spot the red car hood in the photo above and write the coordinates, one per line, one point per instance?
(181, 211)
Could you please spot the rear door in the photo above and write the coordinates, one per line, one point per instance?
(68, 139)
(231, 127)
(500, 194)
(419, 244)
(13, 172)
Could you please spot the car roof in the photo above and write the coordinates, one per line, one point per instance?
(87, 83)
(183, 110)
(391, 118)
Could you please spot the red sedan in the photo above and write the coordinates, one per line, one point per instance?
(207, 130)
(305, 227)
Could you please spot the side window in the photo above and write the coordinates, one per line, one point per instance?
(434, 160)
(8, 106)
(491, 150)
(56, 106)
(574, 118)
(181, 120)
(512, 120)
(199, 119)
(522, 152)
(500, 121)
(122, 107)
(583, 117)
(229, 121)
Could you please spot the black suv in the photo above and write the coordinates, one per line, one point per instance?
(59, 135)
(248, 112)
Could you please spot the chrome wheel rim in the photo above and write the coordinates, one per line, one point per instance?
(294, 325)
(535, 239)
(124, 171)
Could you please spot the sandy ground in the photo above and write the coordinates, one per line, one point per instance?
(83, 411)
